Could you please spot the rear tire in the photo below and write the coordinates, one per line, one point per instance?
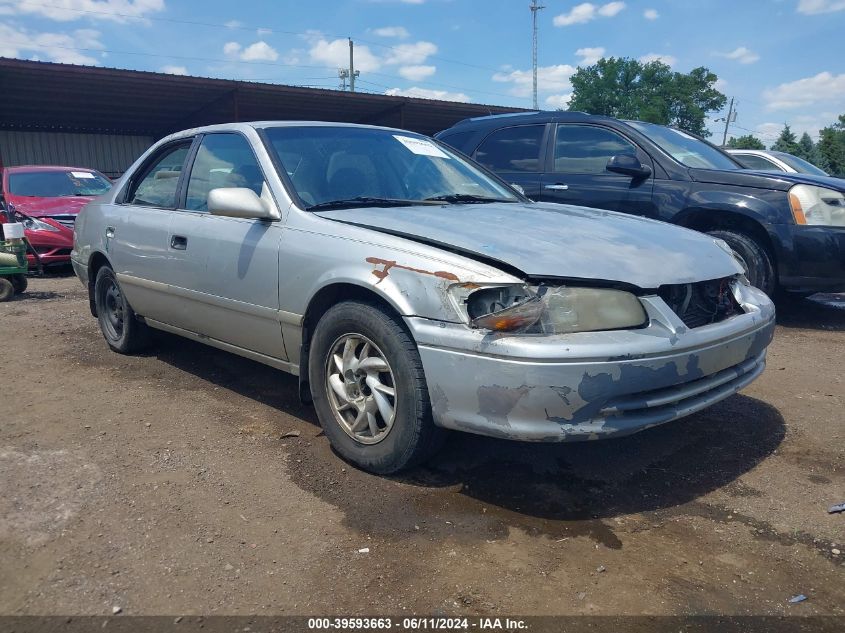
(7, 290)
(20, 283)
(759, 268)
(363, 365)
(119, 324)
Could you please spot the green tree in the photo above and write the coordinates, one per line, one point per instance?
(805, 147)
(831, 146)
(749, 141)
(626, 88)
(787, 142)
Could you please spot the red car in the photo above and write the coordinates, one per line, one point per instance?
(47, 200)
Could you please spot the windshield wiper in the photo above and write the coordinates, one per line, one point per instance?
(465, 198)
(363, 201)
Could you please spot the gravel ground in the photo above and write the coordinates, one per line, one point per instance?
(189, 481)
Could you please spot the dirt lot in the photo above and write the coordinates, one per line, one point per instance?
(163, 484)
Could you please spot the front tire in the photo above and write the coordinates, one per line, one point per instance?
(120, 326)
(369, 389)
(759, 268)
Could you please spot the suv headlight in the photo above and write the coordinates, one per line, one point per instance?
(817, 206)
(544, 310)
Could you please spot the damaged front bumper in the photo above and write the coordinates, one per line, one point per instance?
(590, 385)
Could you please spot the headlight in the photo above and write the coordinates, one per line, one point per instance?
(544, 310)
(817, 206)
(34, 224)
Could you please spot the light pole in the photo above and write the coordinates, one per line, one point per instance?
(534, 9)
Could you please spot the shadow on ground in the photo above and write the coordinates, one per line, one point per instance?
(478, 488)
(819, 312)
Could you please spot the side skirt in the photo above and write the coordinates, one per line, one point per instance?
(284, 365)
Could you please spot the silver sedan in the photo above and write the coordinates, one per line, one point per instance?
(412, 291)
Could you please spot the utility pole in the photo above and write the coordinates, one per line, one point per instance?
(343, 74)
(728, 120)
(352, 72)
(534, 8)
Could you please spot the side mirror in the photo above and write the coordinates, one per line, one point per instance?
(628, 165)
(239, 202)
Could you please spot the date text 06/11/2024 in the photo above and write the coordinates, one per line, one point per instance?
(414, 624)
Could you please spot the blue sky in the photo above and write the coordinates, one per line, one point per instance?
(781, 59)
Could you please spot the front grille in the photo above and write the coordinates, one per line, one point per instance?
(64, 220)
(701, 303)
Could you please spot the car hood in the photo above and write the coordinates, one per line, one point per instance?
(779, 181)
(552, 240)
(39, 207)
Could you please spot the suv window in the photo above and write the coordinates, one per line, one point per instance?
(585, 149)
(158, 186)
(512, 149)
(752, 161)
(458, 140)
(223, 160)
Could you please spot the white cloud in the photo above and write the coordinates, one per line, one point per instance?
(263, 32)
(669, 60)
(587, 11)
(721, 84)
(558, 102)
(399, 32)
(742, 54)
(410, 57)
(258, 51)
(549, 79)
(814, 7)
(415, 53)
(336, 55)
(174, 70)
(234, 24)
(71, 10)
(822, 88)
(651, 14)
(589, 56)
(417, 73)
(610, 9)
(425, 93)
(56, 47)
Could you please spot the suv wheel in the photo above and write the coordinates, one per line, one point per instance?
(369, 389)
(120, 326)
(758, 264)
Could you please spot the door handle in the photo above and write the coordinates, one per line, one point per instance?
(178, 242)
(109, 232)
(557, 187)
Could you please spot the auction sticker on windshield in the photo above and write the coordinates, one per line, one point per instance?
(82, 174)
(421, 146)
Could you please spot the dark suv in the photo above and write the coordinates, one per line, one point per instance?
(788, 228)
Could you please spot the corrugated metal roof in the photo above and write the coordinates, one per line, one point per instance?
(67, 97)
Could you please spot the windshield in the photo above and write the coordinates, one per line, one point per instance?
(55, 184)
(365, 166)
(799, 164)
(686, 148)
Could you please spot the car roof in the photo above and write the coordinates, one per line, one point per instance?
(31, 168)
(758, 152)
(253, 125)
(541, 116)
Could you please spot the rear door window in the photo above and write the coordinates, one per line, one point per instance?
(585, 149)
(158, 182)
(512, 149)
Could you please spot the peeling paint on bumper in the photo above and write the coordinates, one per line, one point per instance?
(590, 385)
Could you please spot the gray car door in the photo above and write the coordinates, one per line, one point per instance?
(137, 232)
(226, 269)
